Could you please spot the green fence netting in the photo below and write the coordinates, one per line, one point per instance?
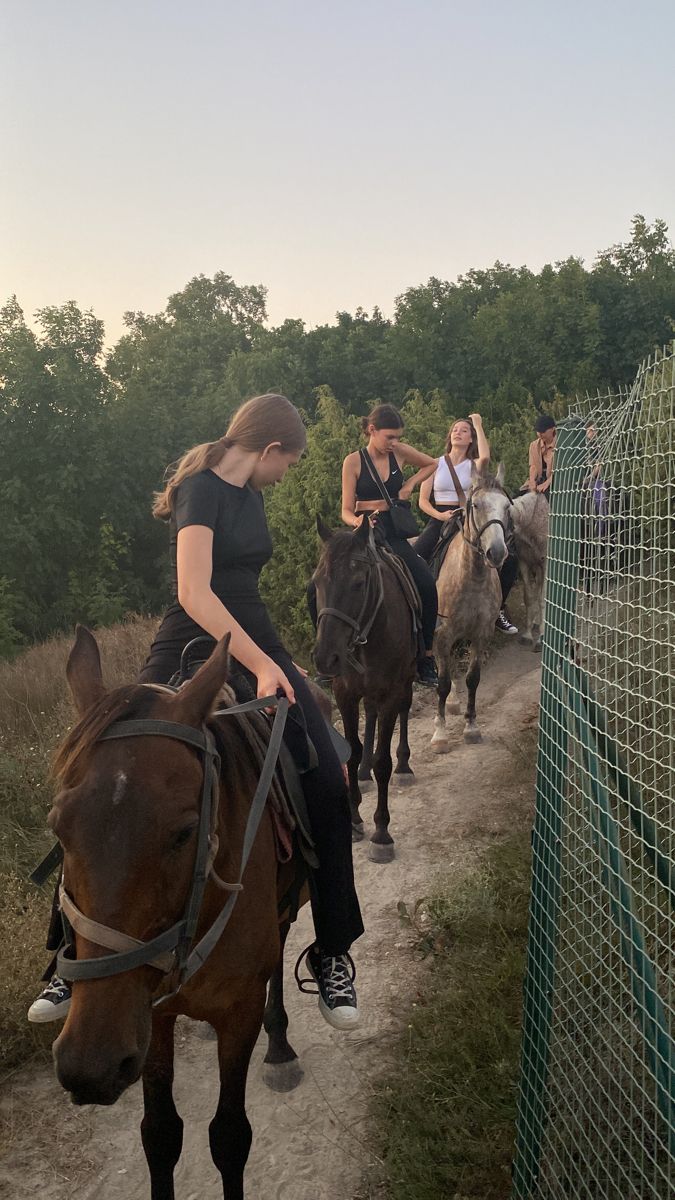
(597, 1092)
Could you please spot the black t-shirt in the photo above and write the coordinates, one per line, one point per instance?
(241, 539)
(241, 547)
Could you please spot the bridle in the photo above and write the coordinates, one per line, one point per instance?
(371, 604)
(468, 517)
(172, 952)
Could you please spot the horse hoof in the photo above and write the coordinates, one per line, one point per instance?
(282, 1077)
(537, 648)
(358, 832)
(381, 853)
(365, 785)
(405, 779)
(472, 736)
(441, 746)
(525, 640)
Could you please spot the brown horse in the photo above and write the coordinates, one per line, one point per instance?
(130, 814)
(366, 640)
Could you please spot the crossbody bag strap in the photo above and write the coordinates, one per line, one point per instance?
(461, 494)
(376, 476)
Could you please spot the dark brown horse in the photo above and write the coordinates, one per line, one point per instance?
(366, 640)
(134, 781)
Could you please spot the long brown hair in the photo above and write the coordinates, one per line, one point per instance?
(472, 451)
(255, 425)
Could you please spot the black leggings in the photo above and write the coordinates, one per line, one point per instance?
(424, 580)
(428, 539)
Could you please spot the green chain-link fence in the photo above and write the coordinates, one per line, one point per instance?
(597, 1097)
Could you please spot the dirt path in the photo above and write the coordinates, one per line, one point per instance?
(312, 1142)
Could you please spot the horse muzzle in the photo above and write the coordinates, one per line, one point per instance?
(95, 1063)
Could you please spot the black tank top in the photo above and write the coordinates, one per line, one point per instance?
(367, 489)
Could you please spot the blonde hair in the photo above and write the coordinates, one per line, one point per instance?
(255, 425)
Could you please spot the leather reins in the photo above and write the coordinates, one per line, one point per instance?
(363, 624)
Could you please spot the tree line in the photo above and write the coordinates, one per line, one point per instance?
(85, 436)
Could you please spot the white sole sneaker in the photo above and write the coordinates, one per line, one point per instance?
(41, 1011)
(344, 1017)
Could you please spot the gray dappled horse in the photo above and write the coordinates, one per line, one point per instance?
(469, 594)
(530, 534)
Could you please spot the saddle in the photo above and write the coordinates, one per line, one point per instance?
(407, 585)
(286, 796)
(448, 532)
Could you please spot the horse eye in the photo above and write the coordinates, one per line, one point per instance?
(182, 838)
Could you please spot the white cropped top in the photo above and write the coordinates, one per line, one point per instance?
(444, 489)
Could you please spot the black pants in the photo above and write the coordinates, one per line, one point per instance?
(428, 539)
(335, 905)
(424, 580)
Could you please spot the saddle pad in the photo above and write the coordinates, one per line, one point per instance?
(448, 532)
(404, 579)
(286, 794)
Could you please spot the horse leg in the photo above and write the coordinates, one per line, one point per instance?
(528, 590)
(365, 777)
(161, 1127)
(404, 773)
(381, 847)
(440, 743)
(349, 710)
(281, 1070)
(471, 731)
(230, 1130)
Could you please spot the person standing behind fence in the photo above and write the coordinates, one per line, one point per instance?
(541, 454)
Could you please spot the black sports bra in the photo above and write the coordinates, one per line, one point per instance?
(366, 488)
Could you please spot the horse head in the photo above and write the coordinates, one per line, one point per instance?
(488, 515)
(345, 594)
(127, 815)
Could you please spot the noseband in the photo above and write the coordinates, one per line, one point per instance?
(363, 624)
(475, 544)
(170, 952)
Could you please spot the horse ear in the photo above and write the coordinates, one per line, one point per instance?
(501, 473)
(83, 670)
(322, 529)
(196, 698)
(364, 531)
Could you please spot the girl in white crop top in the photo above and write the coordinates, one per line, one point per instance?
(466, 444)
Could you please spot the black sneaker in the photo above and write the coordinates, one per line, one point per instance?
(52, 1003)
(503, 625)
(334, 977)
(427, 673)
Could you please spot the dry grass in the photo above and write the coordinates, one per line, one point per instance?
(35, 712)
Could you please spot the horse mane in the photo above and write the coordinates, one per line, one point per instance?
(130, 701)
(337, 550)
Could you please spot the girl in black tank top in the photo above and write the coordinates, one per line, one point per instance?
(360, 494)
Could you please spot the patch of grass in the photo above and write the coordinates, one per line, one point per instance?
(35, 713)
(445, 1114)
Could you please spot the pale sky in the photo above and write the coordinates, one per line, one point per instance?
(336, 153)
